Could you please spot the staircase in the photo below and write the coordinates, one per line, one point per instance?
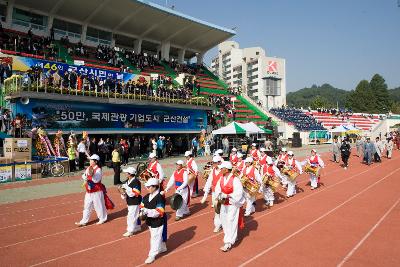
(63, 53)
(246, 111)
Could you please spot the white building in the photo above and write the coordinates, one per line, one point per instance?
(263, 78)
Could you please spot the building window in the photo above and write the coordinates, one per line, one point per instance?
(29, 19)
(98, 36)
(3, 12)
(67, 28)
(257, 53)
(272, 87)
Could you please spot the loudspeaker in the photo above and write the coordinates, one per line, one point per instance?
(275, 131)
(24, 100)
(296, 135)
(296, 142)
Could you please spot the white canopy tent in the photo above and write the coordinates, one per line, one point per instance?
(239, 128)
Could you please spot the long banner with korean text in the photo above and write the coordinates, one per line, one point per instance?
(25, 63)
(99, 117)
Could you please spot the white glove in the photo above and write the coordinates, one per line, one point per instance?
(84, 177)
(144, 211)
(203, 200)
(223, 196)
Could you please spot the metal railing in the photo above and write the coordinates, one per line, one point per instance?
(17, 84)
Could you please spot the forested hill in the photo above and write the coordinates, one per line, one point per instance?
(371, 96)
(395, 94)
(326, 94)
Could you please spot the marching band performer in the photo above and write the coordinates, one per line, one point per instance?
(155, 168)
(94, 197)
(192, 170)
(255, 154)
(253, 174)
(132, 190)
(263, 157)
(233, 158)
(230, 189)
(153, 209)
(240, 163)
(315, 161)
(280, 163)
(219, 152)
(272, 171)
(292, 164)
(212, 181)
(179, 179)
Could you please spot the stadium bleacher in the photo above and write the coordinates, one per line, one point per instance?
(300, 120)
(329, 121)
(203, 82)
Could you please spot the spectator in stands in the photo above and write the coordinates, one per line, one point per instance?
(300, 120)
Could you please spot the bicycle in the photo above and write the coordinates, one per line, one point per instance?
(56, 169)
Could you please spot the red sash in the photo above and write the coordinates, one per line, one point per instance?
(263, 160)
(178, 176)
(91, 186)
(269, 170)
(314, 160)
(233, 159)
(254, 154)
(251, 174)
(282, 158)
(153, 169)
(215, 178)
(240, 166)
(189, 165)
(293, 165)
(228, 189)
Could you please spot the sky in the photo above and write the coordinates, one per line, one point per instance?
(339, 42)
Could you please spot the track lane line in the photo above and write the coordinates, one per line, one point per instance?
(354, 249)
(74, 229)
(316, 220)
(263, 215)
(113, 241)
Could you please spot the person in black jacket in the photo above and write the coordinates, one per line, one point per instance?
(153, 209)
(132, 194)
(345, 150)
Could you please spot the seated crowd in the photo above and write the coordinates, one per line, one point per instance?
(27, 43)
(300, 120)
(162, 86)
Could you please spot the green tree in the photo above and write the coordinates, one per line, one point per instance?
(380, 91)
(361, 99)
(319, 102)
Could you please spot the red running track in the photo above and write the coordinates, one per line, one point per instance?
(352, 220)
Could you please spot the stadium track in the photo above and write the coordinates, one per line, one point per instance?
(354, 213)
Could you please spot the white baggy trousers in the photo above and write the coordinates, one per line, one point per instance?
(94, 200)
